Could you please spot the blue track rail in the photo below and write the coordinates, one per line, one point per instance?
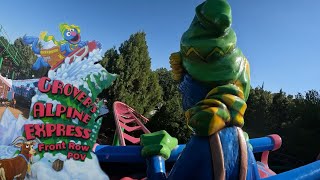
(132, 154)
(156, 164)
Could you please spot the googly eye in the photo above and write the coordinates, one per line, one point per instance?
(71, 30)
(27, 146)
(68, 34)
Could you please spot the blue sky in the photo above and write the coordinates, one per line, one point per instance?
(280, 38)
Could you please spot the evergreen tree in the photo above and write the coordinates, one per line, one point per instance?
(22, 54)
(24, 70)
(281, 108)
(257, 113)
(302, 134)
(170, 115)
(113, 62)
(136, 85)
(7, 63)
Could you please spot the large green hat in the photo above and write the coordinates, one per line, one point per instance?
(65, 26)
(208, 48)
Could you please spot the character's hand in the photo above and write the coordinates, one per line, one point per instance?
(82, 43)
(176, 65)
(157, 143)
(29, 39)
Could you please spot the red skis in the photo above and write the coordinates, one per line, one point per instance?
(79, 52)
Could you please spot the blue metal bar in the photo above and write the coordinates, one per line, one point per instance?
(310, 171)
(262, 144)
(132, 154)
(156, 164)
(156, 168)
(128, 154)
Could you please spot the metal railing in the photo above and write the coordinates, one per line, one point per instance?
(9, 48)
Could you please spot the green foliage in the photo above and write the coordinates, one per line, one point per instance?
(170, 115)
(25, 58)
(136, 86)
(139, 87)
(23, 71)
(295, 119)
(257, 113)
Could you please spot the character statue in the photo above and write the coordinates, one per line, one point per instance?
(214, 80)
(60, 50)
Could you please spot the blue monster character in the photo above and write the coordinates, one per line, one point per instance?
(71, 34)
(49, 57)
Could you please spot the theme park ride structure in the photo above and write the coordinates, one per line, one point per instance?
(8, 52)
(127, 119)
(122, 153)
(10, 56)
(12, 52)
(214, 81)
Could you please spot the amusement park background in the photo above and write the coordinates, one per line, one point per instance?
(278, 42)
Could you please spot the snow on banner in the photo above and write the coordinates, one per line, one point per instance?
(65, 103)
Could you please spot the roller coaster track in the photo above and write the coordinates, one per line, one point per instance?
(127, 121)
(7, 47)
